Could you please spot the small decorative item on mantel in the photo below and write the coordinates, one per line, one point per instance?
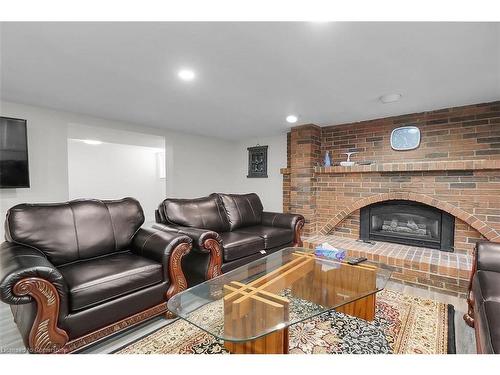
(365, 162)
(348, 163)
(257, 161)
(327, 161)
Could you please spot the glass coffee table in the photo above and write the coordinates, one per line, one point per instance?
(251, 307)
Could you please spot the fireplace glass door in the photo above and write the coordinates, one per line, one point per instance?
(408, 223)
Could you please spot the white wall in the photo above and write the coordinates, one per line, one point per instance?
(47, 149)
(269, 189)
(113, 171)
(196, 166)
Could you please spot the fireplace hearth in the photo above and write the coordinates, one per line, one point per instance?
(408, 223)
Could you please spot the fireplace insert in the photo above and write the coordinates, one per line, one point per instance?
(408, 223)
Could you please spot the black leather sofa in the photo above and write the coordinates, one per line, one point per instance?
(76, 272)
(228, 231)
(484, 297)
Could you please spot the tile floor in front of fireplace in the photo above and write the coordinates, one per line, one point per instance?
(10, 340)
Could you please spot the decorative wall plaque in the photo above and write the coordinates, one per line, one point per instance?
(405, 138)
(257, 162)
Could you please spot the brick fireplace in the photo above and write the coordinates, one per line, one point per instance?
(456, 169)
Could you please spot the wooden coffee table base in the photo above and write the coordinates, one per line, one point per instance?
(363, 308)
(273, 343)
(277, 342)
(255, 307)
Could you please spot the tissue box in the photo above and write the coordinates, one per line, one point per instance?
(328, 251)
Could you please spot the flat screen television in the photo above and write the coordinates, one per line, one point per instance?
(14, 171)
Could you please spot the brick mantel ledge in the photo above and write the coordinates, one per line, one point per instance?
(410, 166)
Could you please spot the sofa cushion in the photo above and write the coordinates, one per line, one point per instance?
(238, 245)
(206, 213)
(489, 327)
(94, 281)
(79, 229)
(272, 236)
(242, 210)
(486, 286)
(229, 266)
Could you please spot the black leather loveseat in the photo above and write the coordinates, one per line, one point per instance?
(75, 272)
(484, 297)
(228, 230)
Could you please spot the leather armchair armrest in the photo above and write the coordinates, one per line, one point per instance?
(198, 235)
(275, 219)
(26, 275)
(18, 262)
(488, 256)
(204, 242)
(157, 245)
(167, 248)
(288, 221)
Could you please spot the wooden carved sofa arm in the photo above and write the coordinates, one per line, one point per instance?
(26, 275)
(206, 258)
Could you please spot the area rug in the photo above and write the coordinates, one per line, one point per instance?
(403, 324)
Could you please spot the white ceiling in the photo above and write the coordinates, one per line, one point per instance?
(250, 76)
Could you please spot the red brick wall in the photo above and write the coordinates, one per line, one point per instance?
(473, 192)
(288, 150)
(470, 132)
(349, 227)
(463, 133)
(286, 176)
(465, 237)
(305, 152)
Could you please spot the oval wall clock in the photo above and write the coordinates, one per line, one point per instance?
(405, 138)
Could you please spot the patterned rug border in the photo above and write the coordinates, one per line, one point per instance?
(451, 343)
(115, 351)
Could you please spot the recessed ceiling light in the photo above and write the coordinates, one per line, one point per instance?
(186, 74)
(92, 142)
(390, 98)
(292, 119)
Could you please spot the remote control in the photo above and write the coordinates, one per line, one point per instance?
(355, 261)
